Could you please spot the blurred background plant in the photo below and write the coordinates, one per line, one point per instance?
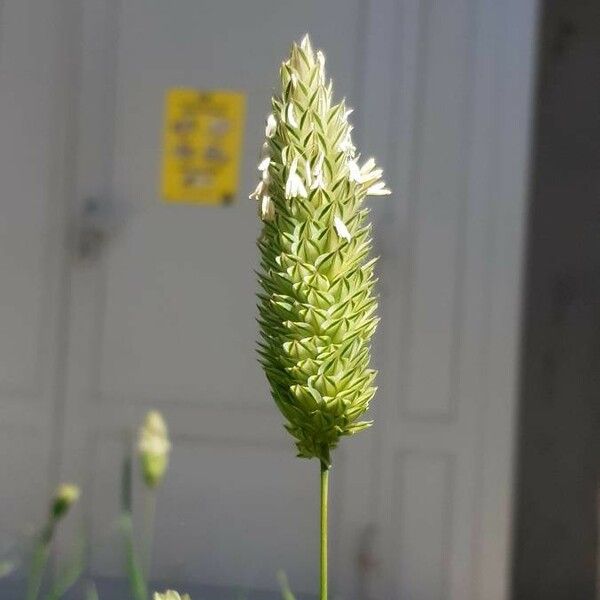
(66, 575)
(153, 448)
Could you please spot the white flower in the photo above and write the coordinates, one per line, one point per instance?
(267, 209)
(353, 171)
(263, 165)
(291, 116)
(341, 229)
(365, 174)
(318, 181)
(294, 186)
(378, 189)
(271, 126)
(346, 146)
(259, 191)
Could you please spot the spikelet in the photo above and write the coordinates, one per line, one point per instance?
(316, 304)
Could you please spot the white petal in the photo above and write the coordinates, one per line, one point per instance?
(294, 166)
(354, 171)
(368, 166)
(300, 189)
(308, 173)
(290, 114)
(271, 126)
(294, 186)
(289, 184)
(267, 209)
(346, 144)
(341, 229)
(318, 181)
(257, 193)
(378, 189)
(264, 164)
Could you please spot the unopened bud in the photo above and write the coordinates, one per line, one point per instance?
(153, 448)
(65, 496)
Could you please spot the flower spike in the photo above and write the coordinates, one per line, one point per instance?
(317, 304)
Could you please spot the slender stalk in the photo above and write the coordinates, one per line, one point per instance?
(324, 503)
(38, 562)
(149, 521)
(135, 572)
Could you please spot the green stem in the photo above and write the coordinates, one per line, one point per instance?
(135, 572)
(38, 562)
(149, 521)
(324, 501)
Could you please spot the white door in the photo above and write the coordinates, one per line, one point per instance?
(35, 99)
(452, 253)
(163, 315)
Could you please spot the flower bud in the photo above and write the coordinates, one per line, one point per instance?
(65, 496)
(153, 448)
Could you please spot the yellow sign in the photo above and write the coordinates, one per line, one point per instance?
(202, 142)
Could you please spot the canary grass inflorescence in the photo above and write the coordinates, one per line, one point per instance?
(317, 304)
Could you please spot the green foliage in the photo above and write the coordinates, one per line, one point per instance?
(317, 304)
(65, 496)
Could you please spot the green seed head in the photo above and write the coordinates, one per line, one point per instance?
(317, 304)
